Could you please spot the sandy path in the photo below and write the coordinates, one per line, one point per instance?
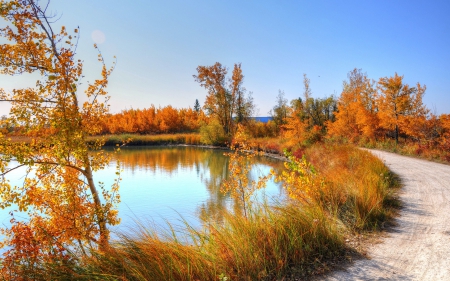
(418, 248)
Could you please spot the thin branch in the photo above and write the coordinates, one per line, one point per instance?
(57, 164)
(12, 169)
(37, 11)
(78, 40)
(27, 65)
(28, 101)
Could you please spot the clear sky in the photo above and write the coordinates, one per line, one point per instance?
(159, 44)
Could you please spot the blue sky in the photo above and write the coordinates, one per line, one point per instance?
(159, 44)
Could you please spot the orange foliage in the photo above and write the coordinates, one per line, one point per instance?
(154, 120)
(36, 244)
(392, 109)
(400, 106)
(445, 134)
(295, 129)
(356, 115)
(445, 122)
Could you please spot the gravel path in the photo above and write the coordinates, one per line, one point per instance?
(418, 247)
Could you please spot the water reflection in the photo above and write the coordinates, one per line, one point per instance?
(162, 183)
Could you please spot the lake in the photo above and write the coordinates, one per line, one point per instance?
(166, 184)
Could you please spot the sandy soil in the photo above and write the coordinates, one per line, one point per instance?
(418, 247)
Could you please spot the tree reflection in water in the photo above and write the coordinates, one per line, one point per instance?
(209, 165)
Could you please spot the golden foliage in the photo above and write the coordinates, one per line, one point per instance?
(238, 183)
(300, 179)
(64, 204)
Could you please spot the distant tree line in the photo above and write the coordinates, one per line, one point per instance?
(154, 120)
(365, 111)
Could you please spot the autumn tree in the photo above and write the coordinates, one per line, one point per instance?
(295, 127)
(307, 118)
(244, 104)
(320, 111)
(399, 105)
(316, 111)
(280, 111)
(64, 204)
(444, 120)
(239, 184)
(357, 108)
(226, 98)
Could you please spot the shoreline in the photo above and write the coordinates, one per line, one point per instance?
(225, 148)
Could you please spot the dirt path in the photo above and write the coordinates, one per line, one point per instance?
(418, 248)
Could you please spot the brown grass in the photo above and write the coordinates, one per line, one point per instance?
(163, 139)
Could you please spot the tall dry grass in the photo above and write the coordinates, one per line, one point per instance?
(358, 184)
(163, 139)
(264, 246)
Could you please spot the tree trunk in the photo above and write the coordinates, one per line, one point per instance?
(396, 134)
(101, 221)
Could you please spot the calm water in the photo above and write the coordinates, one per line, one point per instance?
(167, 183)
(162, 184)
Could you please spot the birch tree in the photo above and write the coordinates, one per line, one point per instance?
(64, 204)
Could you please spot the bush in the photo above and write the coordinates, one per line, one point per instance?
(212, 133)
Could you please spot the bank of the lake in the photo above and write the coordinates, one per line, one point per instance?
(149, 140)
(298, 238)
(346, 193)
(168, 183)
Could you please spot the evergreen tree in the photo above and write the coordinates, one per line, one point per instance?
(197, 106)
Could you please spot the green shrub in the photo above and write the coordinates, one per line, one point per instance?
(212, 133)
